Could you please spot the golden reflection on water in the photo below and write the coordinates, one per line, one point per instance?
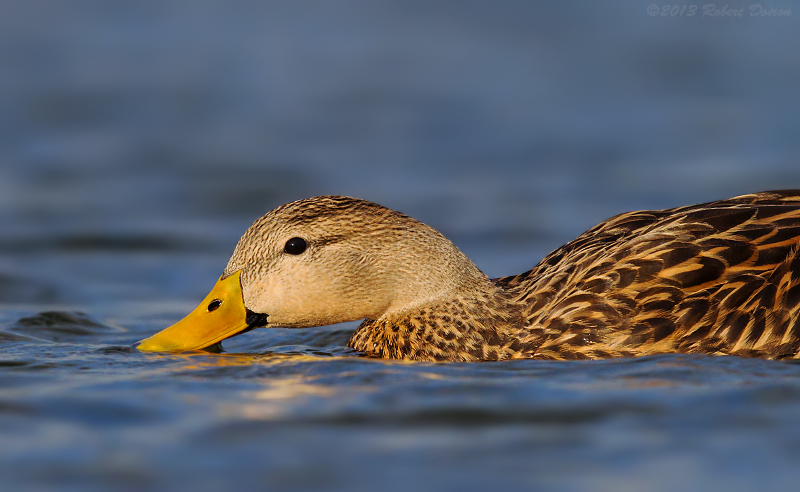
(279, 394)
(237, 359)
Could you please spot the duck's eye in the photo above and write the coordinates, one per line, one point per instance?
(295, 246)
(213, 305)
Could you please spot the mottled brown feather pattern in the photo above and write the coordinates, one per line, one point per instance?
(463, 329)
(716, 278)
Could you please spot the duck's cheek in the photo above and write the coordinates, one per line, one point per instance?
(264, 298)
(292, 308)
(221, 315)
(286, 301)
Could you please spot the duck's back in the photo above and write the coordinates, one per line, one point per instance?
(719, 278)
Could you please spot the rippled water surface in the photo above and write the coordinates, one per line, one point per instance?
(138, 142)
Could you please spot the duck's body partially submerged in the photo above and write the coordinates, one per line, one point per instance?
(717, 278)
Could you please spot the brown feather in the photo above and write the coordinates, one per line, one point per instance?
(716, 278)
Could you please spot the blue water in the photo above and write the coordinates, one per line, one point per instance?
(138, 142)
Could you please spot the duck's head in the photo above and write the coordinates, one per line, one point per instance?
(321, 261)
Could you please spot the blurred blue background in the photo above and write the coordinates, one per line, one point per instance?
(138, 140)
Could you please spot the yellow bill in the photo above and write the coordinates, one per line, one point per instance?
(221, 315)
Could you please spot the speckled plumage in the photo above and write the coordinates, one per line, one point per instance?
(716, 278)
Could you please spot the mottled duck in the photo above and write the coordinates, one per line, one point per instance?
(716, 278)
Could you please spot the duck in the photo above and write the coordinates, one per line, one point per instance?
(718, 278)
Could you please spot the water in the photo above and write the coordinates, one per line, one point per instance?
(138, 142)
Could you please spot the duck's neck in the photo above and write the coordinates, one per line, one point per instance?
(477, 326)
